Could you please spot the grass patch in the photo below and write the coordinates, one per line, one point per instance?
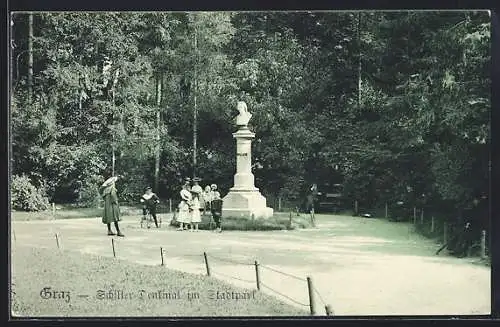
(279, 221)
(81, 274)
(73, 212)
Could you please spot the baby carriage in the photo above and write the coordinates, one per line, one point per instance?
(216, 210)
(147, 220)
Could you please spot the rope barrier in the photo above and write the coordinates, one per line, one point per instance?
(243, 280)
(191, 255)
(285, 296)
(231, 261)
(253, 281)
(283, 273)
(319, 295)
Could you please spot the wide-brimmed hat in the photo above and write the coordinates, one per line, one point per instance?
(196, 179)
(213, 186)
(110, 181)
(196, 189)
(148, 188)
(185, 195)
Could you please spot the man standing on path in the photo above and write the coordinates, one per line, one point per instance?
(311, 199)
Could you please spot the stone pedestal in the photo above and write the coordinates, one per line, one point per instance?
(244, 199)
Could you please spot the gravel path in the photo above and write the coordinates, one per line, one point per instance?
(359, 266)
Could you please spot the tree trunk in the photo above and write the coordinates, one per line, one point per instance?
(30, 57)
(359, 60)
(195, 111)
(113, 154)
(11, 58)
(113, 157)
(159, 84)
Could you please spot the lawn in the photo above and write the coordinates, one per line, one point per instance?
(73, 212)
(138, 290)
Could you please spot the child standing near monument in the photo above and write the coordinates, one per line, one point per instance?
(216, 207)
(184, 217)
(214, 194)
(206, 195)
(195, 210)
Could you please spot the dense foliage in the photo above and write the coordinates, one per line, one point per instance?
(394, 105)
(26, 196)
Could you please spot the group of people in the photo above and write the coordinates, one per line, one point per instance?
(194, 201)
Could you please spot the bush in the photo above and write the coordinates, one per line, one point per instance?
(247, 224)
(88, 194)
(26, 196)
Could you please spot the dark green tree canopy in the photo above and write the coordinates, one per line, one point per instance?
(379, 101)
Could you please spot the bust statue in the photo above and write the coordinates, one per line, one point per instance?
(244, 116)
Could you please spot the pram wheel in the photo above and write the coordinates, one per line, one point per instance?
(147, 219)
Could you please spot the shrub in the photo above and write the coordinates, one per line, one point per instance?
(88, 194)
(26, 196)
(247, 224)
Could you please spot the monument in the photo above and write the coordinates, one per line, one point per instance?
(244, 199)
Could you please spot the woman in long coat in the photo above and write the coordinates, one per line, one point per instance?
(111, 212)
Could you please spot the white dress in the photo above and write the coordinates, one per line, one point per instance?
(206, 196)
(195, 213)
(214, 195)
(184, 216)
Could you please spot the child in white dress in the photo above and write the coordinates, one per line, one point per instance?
(195, 211)
(184, 217)
(206, 195)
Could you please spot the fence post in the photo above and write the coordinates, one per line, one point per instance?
(206, 263)
(161, 251)
(445, 233)
(279, 203)
(355, 207)
(257, 276)
(409, 229)
(113, 246)
(312, 305)
(53, 210)
(57, 241)
(290, 221)
(432, 224)
(414, 213)
(421, 219)
(169, 205)
(386, 211)
(328, 310)
(422, 214)
(483, 244)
